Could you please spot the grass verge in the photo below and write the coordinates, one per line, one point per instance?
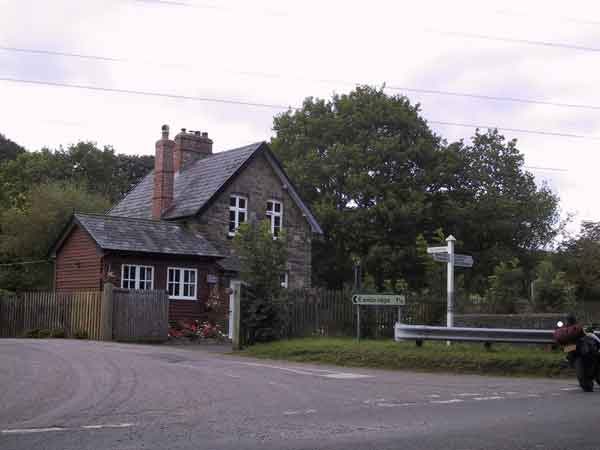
(432, 357)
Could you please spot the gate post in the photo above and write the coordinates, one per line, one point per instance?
(237, 294)
(107, 312)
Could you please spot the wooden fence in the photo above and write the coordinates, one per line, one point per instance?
(73, 313)
(140, 315)
(320, 312)
(100, 315)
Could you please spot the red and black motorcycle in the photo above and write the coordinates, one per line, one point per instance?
(583, 351)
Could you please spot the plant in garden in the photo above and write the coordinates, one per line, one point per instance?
(263, 259)
(505, 286)
(551, 290)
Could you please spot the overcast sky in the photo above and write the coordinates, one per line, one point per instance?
(279, 52)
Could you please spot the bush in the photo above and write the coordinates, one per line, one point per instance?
(57, 333)
(81, 334)
(33, 333)
(45, 333)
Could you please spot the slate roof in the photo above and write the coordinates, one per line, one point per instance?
(146, 236)
(194, 185)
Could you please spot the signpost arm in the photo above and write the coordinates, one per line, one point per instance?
(450, 277)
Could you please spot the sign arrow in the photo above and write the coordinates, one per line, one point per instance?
(435, 250)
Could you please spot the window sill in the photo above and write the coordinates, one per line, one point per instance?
(189, 299)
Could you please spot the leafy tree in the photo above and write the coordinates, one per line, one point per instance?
(262, 258)
(579, 258)
(362, 162)
(505, 286)
(28, 231)
(9, 150)
(552, 292)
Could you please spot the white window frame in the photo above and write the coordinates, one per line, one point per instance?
(181, 283)
(136, 278)
(236, 211)
(273, 214)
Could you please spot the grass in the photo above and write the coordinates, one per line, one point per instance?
(431, 357)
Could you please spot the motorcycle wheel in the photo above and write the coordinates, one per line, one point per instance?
(585, 380)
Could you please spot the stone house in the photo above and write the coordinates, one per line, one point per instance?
(174, 229)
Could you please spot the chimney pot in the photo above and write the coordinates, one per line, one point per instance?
(165, 131)
(190, 146)
(197, 133)
(183, 130)
(205, 134)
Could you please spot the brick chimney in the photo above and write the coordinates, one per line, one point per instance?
(162, 196)
(190, 146)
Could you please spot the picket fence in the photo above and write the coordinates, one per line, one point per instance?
(321, 312)
(100, 315)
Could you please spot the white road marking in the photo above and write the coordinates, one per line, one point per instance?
(53, 429)
(469, 394)
(394, 405)
(230, 375)
(310, 371)
(493, 397)
(444, 402)
(569, 389)
(434, 395)
(295, 413)
(533, 395)
(509, 393)
(33, 430)
(99, 427)
(346, 376)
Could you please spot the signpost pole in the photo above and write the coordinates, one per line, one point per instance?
(450, 307)
(358, 323)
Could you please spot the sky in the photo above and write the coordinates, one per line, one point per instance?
(270, 55)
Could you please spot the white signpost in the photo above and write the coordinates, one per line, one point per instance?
(447, 255)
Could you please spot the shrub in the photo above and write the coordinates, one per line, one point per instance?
(45, 333)
(81, 334)
(58, 333)
(33, 333)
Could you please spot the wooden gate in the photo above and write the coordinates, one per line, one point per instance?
(140, 315)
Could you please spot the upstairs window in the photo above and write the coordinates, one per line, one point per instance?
(238, 212)
(275, 215)
(181, 283)
(137, 277)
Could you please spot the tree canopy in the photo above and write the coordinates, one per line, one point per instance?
(376, 177)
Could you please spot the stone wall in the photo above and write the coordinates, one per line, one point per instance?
(259, 183)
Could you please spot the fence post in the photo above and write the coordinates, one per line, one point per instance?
(107, 312)
(237, 293)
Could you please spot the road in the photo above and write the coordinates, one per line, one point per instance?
(76, 395)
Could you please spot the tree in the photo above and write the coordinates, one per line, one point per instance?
(579, 258)
(28, 231)
(506, 286)
(362, 162)
(552, 292)
(263, 260)
(9, 150)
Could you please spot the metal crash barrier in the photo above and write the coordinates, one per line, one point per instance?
(420, 333)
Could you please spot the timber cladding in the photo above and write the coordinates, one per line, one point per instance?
(78, 264)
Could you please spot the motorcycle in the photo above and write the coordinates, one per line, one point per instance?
(583, 352)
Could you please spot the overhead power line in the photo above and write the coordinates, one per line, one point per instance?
(263, 105)
(487, 37)
(113, 59)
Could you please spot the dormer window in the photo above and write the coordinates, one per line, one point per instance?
(238, 212)
(275, 215)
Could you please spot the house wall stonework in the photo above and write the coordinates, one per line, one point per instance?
(259, 183)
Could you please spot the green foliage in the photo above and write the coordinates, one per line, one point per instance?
(505, 286)
(503, 360)
(552, 292)
(9, 150)
(262, 258)
(579, 259)
(33, 333)
(57, 333)
(27, 232)
(81, 334)
(377, 177)
(45, 333)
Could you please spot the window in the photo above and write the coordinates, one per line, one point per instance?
(275, 215)
(283, 279)
(137, 277)
(181, 283)
(238, 211)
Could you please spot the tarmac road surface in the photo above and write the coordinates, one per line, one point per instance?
(76, 395)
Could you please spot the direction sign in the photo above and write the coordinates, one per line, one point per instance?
(435, 250)
(379, 299)
(459, 260)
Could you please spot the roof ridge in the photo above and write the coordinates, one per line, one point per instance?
(134, 219)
